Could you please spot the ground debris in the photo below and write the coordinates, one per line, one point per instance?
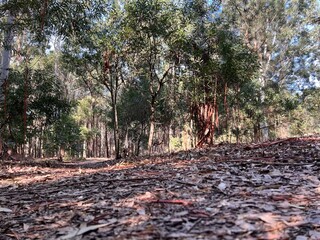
(257, 191)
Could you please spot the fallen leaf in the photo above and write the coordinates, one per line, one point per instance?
(276, 173)
(268, 218)
(6, 210)
(301, 238)
(222, 186)
(26, 227)
(181, 214)
(141, 211)
(83, 230)
(180, 235)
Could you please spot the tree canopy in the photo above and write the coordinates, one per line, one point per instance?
(115, 78)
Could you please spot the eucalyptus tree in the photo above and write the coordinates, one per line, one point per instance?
(133, 118)
(219, 69)
(39, 20)
(151, 27)
(45, 106)
(98, 59)
(114, 69)
(284, 37)
(42, 19)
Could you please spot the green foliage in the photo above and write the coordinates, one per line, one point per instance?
(222, 72)
(65, 133)
(53, 17)
(85, 110)
(305, 119)
(134, 113)
(159, 63)
(175, 143)
(300, 121)
(44, 102)
(133, 107)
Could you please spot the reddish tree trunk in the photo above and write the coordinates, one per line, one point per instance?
(204, 117)
(43, 13)
(225, 104)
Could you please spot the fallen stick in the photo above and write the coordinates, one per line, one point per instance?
(178, 201)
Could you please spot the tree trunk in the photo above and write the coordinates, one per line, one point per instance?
(204, 114)
(61, 153)
(6, 52)
(226, 107)
(126, 150)
(263, 123)
(107, 144)
(151, 129)
(6, 57)
(89, 141)
(116, 130)
(102, 140)
(40, 155)
(215, 123)
(84, 151)
(93, 142)
(25, 108)
(98, 140)
(139, 140)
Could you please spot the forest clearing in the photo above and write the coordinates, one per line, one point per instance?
(159, 119)
(228, 191)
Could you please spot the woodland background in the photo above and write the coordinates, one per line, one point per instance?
(104, 78)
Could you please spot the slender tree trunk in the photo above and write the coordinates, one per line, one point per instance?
(226, 107)
(139, 140)
(102, 140)
(25, 108)
(215, 116)
(30, 147)
(93, 149)
(151, 129)
(98, 140)
(40, 155)
(116, 128)
(6, 89)
(61, 153)
(107, 144)
(84, 151)
(88, 145)
(126, 148)
(263, 123)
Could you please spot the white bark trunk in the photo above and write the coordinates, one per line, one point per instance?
(103, 140)
(5, 60)
(151, 129)
(264, 124)
(84, 151)
(6, 52)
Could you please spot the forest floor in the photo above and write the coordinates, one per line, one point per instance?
(257, 191)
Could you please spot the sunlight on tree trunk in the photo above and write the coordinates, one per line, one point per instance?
(151, 129)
